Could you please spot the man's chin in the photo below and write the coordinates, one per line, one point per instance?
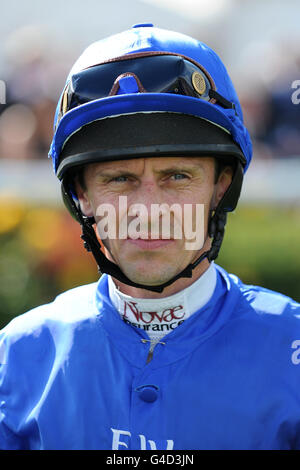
(150, 275)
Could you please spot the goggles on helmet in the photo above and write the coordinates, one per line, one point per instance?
(152, 72)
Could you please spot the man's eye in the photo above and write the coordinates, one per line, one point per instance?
(120, 179)
(179, 176)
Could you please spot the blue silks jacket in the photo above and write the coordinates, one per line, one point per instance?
(74, 375)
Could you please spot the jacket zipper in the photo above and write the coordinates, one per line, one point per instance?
(150, 353)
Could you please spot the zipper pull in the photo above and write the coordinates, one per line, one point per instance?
(152, 346)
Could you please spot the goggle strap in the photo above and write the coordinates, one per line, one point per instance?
(220, 99)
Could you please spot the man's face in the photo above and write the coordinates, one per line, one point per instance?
(150, 182)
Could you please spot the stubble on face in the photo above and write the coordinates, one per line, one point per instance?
(159, 180)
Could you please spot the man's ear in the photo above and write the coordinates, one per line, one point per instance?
(84, 200)
(223, 183)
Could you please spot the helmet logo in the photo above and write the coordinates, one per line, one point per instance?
(198, 83)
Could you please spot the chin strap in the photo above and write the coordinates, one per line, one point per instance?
(91, 243)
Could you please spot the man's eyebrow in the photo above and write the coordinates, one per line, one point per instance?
(178, 168)
(114, 172)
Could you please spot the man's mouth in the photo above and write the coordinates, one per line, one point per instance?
(150, 244)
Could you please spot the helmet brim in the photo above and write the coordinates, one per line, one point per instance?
(134, 103)
(146, 135)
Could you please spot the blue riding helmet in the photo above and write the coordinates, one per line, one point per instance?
(148, 92)
(147, 41)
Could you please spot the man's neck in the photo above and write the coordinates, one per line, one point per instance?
(160, 316)
(177, 286)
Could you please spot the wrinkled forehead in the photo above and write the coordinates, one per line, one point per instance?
(155, 164)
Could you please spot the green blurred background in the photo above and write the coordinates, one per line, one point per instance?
(43, 255)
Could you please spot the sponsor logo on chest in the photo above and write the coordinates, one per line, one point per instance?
(121, 440)
(151, 320)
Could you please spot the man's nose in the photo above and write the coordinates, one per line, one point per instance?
(148, 193)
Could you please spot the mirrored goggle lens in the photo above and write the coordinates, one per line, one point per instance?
(167, 73)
